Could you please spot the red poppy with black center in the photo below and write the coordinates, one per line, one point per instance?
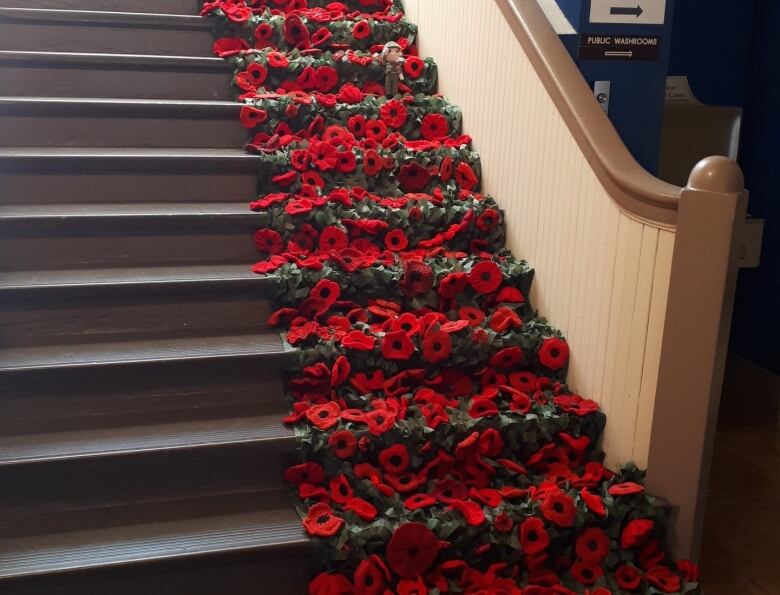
(295, 32)
(465, 176)
(396, 240)
(628, 577)
(664, 579)
(482, 408)
(326, 290)
(277, 60)
(485, 277)
(361, 30)
(558, 508)
(490, 443)
(346, 162)
(414, 67)
(503, 522)
(394, 459)
(507, 357)
(252, 116)
(575, 404)
(305, 473)
(413, 177)
(474, 316)
(379, 421)
(420, 501)
(307, 79)
(268, 241)
(397, 346)
(340, 490)
(369, 577)
(554, 353)
(264, 34)
(332, 238)
(299, 159)
(592, 546)
(488, 220)
(586, 574)
(321, 521)
(343, 443)
(324, 416)
(434, 127)
(372, 162)
(437, 345)
(417, 278)
(594, 503)
(376, 130)
(534, 538)
(357, 126)
(393, 113)
(412, 549)
(326, 78)
(340, 371)
(452, 285)
(326, 583)
(320, 36)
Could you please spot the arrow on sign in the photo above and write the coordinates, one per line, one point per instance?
(628, 10)
(620, 54)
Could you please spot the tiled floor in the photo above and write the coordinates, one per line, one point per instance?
(741, 547)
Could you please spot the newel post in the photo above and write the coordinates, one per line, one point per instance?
(711, 213)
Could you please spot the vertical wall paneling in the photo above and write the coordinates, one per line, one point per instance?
(602, 275)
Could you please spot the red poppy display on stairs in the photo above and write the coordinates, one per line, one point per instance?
(440, 446)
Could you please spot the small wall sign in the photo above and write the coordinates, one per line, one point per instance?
(637, 12)
(603, 46)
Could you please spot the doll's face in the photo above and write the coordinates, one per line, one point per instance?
(393, 55)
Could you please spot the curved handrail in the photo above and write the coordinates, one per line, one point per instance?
(629, 184)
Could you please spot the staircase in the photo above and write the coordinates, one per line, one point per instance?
(141, 447)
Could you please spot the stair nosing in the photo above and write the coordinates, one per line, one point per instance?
(146, 61)
(102, 17)
(181, 442)
(283, 351)
(119, 108)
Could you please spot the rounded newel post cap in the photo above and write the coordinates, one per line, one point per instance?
(717, 174)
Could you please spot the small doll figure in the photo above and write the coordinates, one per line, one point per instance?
(392, 59)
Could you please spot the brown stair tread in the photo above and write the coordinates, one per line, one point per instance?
(39, 16)
(172, 108)
(137, 439)
(125, 276)
(122, 153)
(109, 210)
(132, 352)
(120, 546)
(116, 60)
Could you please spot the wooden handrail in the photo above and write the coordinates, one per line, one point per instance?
(630, 185)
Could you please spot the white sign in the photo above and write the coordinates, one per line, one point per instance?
(637, 12)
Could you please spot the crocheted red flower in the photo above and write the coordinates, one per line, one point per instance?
(305, 473)
(533, 536)
(396, 240)
(507, 357)
(628, 577)
(474, 316)
(363, 509)
(585, 573)
(465, 176)
(340, 490)
(417, 278)
(321, 521)
(372, 162)
(343, 443)
(635, 533)
(452, 285)
(485, 277)
(361, 30)
(379, 421)
(324, 416)
(663, 578)
(434, 127)
(446, 169)
(394, 459)
(358, 340)
(411, 550)
(371, 576)
(252, 116)
(594, 503)
(277, 60)
(437, 346)
(268, 241)
(326, 78)
(397, 346)
(320, 36)
(558, 508)
(413, 177)
(376, 130)
(326, 290)
(393, 113)
(332, 238)
(592, 546)
(554, 353)
(330, 584)
(295, 32)
(628, 488)
(264, 34)
(420, 501)
(414, 67)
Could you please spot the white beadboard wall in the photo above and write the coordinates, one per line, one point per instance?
(602, 275)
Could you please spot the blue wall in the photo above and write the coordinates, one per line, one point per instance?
(730, 52)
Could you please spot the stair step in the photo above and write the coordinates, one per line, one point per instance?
(266, 531)
(39, 237)
(44, 30)
(62, 175)
(187, 7)
(137, 352)
(77, 74)
(109, 442)
(42, 280)
(79, 122)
